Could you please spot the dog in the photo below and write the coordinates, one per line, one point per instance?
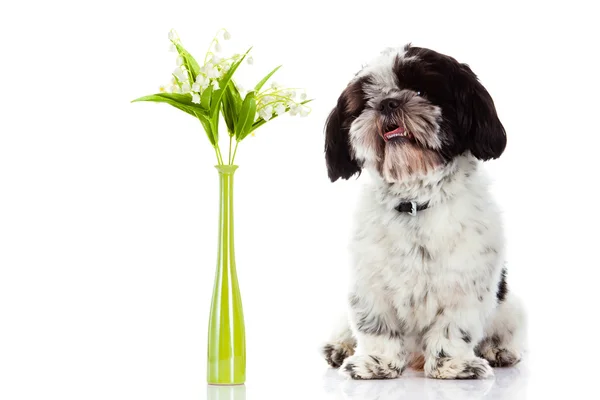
(428, 279)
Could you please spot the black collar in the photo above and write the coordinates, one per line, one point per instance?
(411, 207)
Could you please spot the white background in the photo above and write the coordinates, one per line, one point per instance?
(108, 209)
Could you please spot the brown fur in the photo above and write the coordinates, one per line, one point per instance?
(417, 361)
(405, 159)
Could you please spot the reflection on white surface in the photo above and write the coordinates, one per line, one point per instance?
(508, 383)
(224, 392)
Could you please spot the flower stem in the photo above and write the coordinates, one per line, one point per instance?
(211, 43)
(234, 152)
(230, 140)
(219, 157)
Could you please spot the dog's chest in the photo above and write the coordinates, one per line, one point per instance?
(422, 263)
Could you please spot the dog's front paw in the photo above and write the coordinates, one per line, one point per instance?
(458, 368)
(372, 367)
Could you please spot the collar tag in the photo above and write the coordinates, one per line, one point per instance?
(413, 208)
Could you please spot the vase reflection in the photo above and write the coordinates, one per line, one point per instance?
(226, 392)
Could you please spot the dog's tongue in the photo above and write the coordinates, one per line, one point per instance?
(396, 132)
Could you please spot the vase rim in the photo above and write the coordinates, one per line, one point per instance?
(226, 169)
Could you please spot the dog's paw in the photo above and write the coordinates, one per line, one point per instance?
(336, 353)
(503, 358)
(458, 368)
(497, 355)
(372, 367)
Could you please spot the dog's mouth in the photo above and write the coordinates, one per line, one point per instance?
(397, 133)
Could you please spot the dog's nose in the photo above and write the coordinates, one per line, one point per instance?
(388, 105)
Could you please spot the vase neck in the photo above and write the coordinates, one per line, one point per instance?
(226, 169)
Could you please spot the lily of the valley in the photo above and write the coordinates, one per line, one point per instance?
(181, 73)
(280, 109)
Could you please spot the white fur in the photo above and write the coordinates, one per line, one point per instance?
(433, 276)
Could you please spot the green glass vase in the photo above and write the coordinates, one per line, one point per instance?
(226, 331)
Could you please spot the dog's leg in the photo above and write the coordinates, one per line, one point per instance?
(448, 345)
(380, 351)
(341, 344)
(504, 337)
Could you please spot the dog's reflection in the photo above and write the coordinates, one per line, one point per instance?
(508, 383)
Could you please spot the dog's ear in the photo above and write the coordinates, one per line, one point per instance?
(339, 155)
(484, 134)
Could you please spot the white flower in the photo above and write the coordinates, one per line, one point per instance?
(303, 112)
(204, 69)
(218, 47)
(303, 96)
(213, 73)
(215, 84)
(215, 59)
(267, 99)
(267, 113)
(240, 89)
(250, 60)
(274, 85)
(175, 89)
(195, 98)
(185, 88)
(226, 35)
(200, 79)
(293, 110)
(196, 87)
(173, 36)
(162, 88)
(280, 109)
(172, 48)
(180, 73)
(179, 61)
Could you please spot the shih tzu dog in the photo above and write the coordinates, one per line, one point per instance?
(428, 278)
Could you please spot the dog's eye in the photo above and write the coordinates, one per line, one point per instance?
(418, 92)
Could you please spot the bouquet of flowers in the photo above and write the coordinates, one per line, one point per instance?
(209, 93)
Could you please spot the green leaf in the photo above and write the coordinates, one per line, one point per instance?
(206, 124)
(205, 98)
(189, 61)
(184, 103)
(264, 80)
(223, 82)
(180, 101)
(247, 114)
(232, 104)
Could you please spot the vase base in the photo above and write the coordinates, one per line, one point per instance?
(225, 384)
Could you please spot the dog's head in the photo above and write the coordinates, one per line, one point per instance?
(409, 112)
